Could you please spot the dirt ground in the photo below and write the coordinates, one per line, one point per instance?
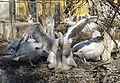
(89, 72)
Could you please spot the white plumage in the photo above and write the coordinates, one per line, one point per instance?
(90, 49)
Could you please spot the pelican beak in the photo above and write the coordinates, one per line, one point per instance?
(76, 53)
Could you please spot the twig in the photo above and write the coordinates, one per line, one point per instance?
(104, 63)
(117, 8)
(114, 6)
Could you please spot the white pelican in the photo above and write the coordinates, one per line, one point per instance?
(29, 50)
(90, 49)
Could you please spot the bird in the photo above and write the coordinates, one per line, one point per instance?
(90, 49)
(29, 50)
(24, 48)
(64, 58)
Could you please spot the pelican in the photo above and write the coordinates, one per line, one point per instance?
(24, 48)
(90, 49)
(29, 50)
(64, 57)
(81, 26)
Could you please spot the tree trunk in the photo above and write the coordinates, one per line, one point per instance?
(43, 13)
(43, 10)
(57, 13)
(32, 9)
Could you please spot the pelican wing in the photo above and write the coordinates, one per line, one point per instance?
(79, 45)
(38, 33)
(82, 23)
